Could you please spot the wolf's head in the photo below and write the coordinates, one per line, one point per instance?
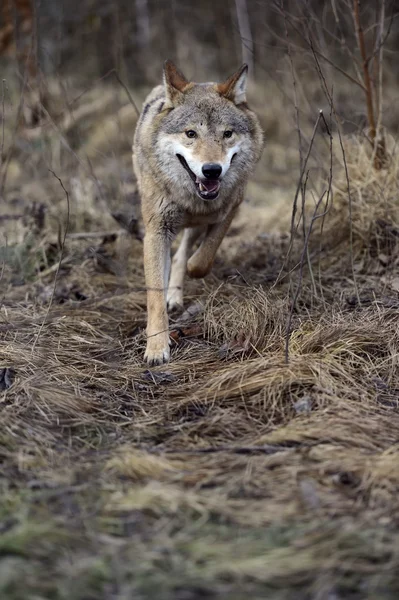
(208, 140)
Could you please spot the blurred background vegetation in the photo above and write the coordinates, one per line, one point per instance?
(69, 46)
(74, 74)
(83, 68)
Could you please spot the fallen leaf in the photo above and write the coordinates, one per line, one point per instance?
(240, 344)
(179, 333)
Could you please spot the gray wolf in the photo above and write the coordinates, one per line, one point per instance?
(194, 148)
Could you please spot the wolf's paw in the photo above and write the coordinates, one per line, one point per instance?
(157, 351)
(174, 300)
(198, 269)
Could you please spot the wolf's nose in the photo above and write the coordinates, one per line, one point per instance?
(211, 170)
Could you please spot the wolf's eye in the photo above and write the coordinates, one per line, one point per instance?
(228, 133)
(191, 133)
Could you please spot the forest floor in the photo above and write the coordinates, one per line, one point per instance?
(230, 472)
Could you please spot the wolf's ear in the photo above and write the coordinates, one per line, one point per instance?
(235, 87)
(174, 81)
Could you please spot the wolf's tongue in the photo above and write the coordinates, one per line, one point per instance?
(209, 185)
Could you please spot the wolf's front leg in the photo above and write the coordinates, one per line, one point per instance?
(156, 268)
(179, 266)
(201, 261)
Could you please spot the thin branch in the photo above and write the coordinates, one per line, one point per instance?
(297, 122)
(308, 259)
(321, 55)
(366, 72)
(344, 73)
(349, 192)
(315, 216)
(127, 92)
(245, 33)
(295, 203)
(329, 192)
(59, 263)
(121, 83)
(379, 158)
(344, 41)
(70, 103)
(381, 25)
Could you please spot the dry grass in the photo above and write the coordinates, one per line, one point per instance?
(228, 472)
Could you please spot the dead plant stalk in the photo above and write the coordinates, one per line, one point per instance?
(59, 263)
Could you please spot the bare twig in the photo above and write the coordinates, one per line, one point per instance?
(127, 92)
(319, 53)
(295, 202)
(245, 33)
(59, 263)
(378, 60)
(349, 192)
(379, 153)
(308, 259)
(366, 73)
(329, 191)
(343, 40)
(121, 83)
(299, 286)
(337, 68)
(297, 122)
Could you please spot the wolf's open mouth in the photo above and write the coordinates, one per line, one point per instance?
(207, 189)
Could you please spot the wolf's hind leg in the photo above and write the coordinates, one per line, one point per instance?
(179, 266)
(201, 261)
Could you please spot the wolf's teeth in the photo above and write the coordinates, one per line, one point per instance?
(201, 187)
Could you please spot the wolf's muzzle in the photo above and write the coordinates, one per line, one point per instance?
(207, 188)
